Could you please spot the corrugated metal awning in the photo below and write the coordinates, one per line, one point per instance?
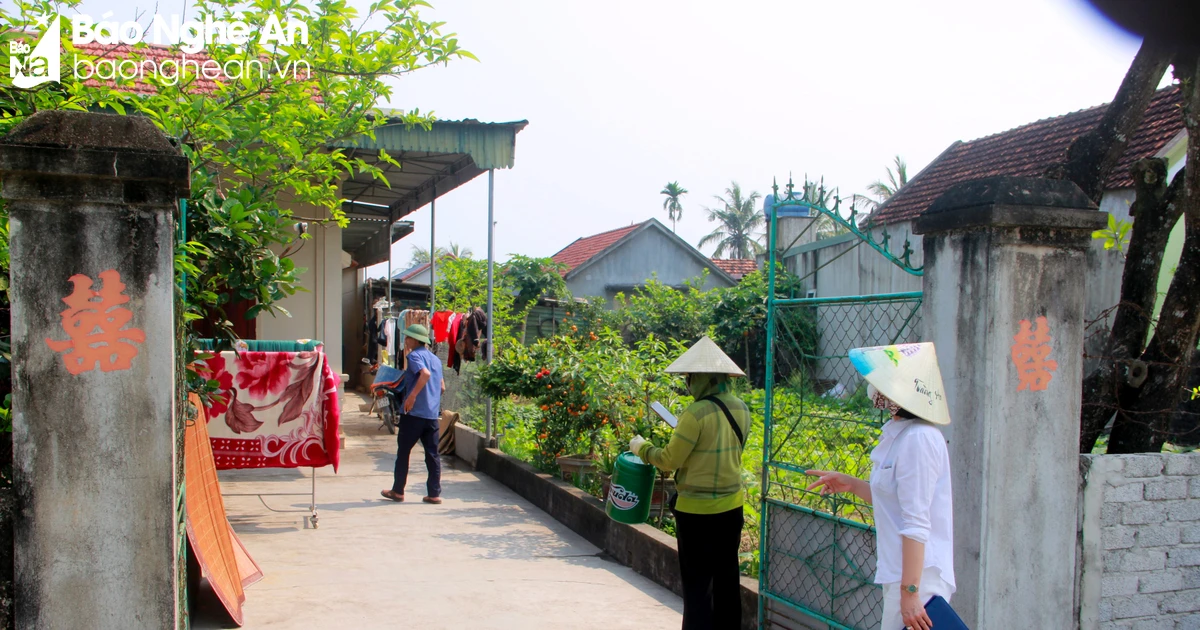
(432, 163)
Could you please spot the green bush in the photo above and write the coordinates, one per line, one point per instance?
(583, 384)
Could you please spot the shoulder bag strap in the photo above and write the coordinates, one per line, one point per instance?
(728, 416)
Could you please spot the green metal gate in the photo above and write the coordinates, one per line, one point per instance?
(817, 554)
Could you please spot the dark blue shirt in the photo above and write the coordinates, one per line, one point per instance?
(429, 398)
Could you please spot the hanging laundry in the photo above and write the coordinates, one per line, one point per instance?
(473, 334)
(273, 410)
(441, 325)
(372, 339)
(453, 358)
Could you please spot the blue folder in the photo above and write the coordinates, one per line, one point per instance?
(943, 616)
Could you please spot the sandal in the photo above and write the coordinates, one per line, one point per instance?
(433, 500)
(388, 494)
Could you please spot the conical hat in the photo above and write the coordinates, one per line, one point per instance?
(909, 375)
(704, 357)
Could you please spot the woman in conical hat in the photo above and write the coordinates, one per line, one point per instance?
(910, 481)
(706, 453)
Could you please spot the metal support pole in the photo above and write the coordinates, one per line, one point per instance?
(432, 255)
(491, 323)
(765, 480)
(391, 226)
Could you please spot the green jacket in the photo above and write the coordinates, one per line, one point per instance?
(705, 452)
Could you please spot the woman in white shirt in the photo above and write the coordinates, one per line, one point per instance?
(910, 482)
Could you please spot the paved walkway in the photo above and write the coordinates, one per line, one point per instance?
(485, 558)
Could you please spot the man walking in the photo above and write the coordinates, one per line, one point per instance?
(423, 387)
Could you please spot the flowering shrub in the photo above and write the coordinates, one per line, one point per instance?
(592, 390)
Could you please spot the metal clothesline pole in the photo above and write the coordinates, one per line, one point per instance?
(432, 255)
(491, 263)
(391, 226)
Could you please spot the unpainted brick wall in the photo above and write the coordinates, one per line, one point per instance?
(1139, 542)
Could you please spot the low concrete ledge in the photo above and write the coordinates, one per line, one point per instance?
(467, 443)
(656, 555)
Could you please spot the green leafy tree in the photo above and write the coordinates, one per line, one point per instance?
(531, 279)
(457, 251)
(739, 221)
(739, 318)
(673, 191)
(659, 310)
(259, 145)
(462, 286)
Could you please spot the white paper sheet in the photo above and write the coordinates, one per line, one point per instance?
(662, 412)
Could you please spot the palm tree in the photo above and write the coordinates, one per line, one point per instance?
(458, 251)
(671, 204)
(739, 221)
(420, 255)
(896, 179)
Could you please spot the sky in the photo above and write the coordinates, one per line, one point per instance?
(623, 97)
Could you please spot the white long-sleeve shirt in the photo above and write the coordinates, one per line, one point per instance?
(910, 491)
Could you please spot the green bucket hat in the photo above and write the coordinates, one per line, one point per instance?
(418, 332)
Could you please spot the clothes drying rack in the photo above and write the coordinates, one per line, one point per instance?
(271, 345)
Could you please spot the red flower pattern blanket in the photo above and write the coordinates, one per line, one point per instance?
(273, 410)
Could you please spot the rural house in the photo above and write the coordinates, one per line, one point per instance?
(620, 260)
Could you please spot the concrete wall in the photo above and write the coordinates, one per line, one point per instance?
(1139, 541)
(317, 312)
(648, 253)
(856, 268)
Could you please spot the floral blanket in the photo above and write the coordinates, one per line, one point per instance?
(273, 410)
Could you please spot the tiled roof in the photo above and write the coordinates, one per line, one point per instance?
(583, 249)
(736, 267)
(1030, 150)
(408, 274)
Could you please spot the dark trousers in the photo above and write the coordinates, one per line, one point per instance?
(708, 561)
(411, 430)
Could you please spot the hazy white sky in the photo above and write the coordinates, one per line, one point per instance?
(622, 97)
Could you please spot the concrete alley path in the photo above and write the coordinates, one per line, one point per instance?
(485, 558)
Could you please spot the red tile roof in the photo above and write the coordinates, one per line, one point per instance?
(1030, 150)
(583, 249)
(736, 267)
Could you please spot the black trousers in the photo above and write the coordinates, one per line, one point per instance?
(412, 430)
(708, 562)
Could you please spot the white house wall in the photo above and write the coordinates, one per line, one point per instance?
(645, 254)
(317, 312)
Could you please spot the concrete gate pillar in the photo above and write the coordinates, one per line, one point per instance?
(1004, 296)
(90, 199)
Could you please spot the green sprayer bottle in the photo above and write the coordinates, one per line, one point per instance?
(630, 492)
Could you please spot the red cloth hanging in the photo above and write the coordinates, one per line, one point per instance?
(452, 358)
(441, 326)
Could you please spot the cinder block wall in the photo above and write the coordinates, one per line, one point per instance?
(1139, 541)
